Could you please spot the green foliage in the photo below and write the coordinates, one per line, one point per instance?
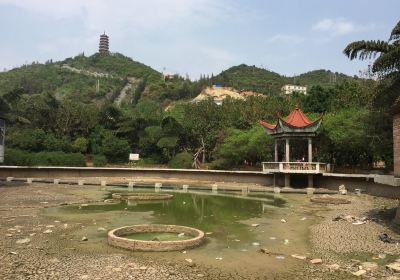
(182, 160)
(80, 145)
(115, 149)
(99, 160)
(244, 147)
(18, 157)
(386, 65)
(345, 138)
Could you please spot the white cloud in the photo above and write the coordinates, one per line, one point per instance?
(134, 14)
(338, 27)
(286, 39)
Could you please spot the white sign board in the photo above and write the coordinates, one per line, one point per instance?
(133, 156)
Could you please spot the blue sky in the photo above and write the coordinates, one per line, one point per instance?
(197, 36)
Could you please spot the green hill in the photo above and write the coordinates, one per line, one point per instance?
(115, 78)
(244, 77)
(94, 79)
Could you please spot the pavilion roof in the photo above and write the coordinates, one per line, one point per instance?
(296, 121)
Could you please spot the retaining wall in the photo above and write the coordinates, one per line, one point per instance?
(137, 173)
(367, 183)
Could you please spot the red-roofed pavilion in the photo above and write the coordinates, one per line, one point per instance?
(295, 125)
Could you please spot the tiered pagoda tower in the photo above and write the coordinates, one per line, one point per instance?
(103, 45)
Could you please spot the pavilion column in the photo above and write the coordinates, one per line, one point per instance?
(276, 150)
(287, 150)
(309, 149)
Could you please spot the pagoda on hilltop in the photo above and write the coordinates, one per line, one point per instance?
(103, 45)
(295, 126)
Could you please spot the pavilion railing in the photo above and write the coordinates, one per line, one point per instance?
(295, 167)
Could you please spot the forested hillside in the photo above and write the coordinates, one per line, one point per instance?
(72, 111)
(244, 77)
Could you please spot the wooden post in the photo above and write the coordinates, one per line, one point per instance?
(310, 149)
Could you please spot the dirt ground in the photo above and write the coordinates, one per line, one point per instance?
(31, 244)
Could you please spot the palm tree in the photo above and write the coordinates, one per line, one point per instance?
(386, 65)
(388, 61)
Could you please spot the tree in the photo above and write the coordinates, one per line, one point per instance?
(387, 65)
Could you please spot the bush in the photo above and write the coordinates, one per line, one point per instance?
(99, 160)
(219, 164)
(115, 149)
(181, 161)
(18, 157)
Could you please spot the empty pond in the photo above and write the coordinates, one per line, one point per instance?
(236, 227)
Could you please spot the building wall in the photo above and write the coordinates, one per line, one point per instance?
(396, 144)
(289, 89)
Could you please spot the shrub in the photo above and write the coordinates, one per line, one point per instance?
(99, 160)
(181, 160)
(18, 157)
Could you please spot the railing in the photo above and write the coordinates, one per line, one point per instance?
(295, 167)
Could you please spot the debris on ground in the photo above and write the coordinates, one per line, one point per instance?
(386, 238)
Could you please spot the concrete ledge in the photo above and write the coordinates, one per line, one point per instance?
(115, 238)
(141, 196)
(135, 173)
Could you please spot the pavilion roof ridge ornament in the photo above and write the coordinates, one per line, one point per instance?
(295, 123)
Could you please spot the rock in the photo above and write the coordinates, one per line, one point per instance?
(333, 267)
(23, 241)
(218, 258)
(255, 244)
(316, 261)
(189, 260)
(143, 267)
(264, 251)
(255, 225)
(182, 234)
(50, 226)
(9, 235)
(84, 238)
(394, 266)
(300, 257)
(200, 275)
(283, 220)
(360, 272)
(368, 266)
(101, 229)
(48, 231)
(13, 253)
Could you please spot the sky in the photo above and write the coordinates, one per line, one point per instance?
(197, 37)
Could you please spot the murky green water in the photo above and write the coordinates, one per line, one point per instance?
(221, 215)
(236, 226)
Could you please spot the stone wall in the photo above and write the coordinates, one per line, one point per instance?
(396, 144)
(137, 173)
(115, 238)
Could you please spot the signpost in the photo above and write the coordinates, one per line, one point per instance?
(134, 157)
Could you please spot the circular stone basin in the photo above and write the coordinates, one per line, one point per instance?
(329, 200)
(142, 196)
(116, 238)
